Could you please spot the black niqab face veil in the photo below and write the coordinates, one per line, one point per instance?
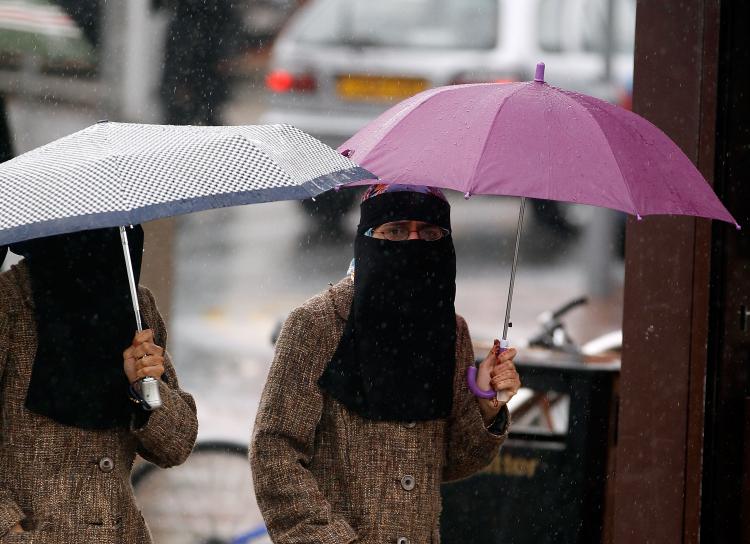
(397, 356)
(84, 321)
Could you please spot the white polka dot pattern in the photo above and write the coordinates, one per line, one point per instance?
(119, 173)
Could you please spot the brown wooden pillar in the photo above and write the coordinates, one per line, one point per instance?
(667, 276)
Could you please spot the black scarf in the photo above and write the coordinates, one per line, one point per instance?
(84, 320)
(396, 359)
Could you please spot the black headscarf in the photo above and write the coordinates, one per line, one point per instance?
(396, 359)
(84, 320)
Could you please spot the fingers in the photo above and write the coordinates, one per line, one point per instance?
(146, 335)
(507, 355)
(150, 365)
(505, 363)
(501, 383)
(147, 348)
(128, 354)
(504, 373)
(134, 353)
(143, 358)
(155, 371)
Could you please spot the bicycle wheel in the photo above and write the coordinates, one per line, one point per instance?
(207, 500)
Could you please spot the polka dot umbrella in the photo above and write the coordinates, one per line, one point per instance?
(119, 174)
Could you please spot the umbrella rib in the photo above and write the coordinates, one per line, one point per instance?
(609, 147)
(432, 93)
(486, 138)
(120, 185)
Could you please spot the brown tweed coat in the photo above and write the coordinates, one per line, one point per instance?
(72, 485)
(324, 475)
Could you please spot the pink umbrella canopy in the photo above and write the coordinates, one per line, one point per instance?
(533, 140)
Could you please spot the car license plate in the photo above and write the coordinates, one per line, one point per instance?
(377, 88)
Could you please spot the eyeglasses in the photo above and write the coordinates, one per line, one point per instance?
(401, 231)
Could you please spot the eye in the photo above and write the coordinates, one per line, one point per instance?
(431, 233)
(397, 232)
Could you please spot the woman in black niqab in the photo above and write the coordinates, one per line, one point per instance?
(397, 356)
(81, 296)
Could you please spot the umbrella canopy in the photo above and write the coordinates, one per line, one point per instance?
(113, 174)
(534, 140)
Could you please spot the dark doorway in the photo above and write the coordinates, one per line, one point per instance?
(726, 480)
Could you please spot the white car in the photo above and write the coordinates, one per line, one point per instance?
(339, 63)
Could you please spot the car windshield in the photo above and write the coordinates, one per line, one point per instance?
(468, 24)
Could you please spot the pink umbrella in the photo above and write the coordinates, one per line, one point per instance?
(533, 140)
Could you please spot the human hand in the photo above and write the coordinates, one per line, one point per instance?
(143, 357)
(497, 372)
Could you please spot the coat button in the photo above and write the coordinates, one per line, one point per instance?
(402, 540)
(410, 424)
(407, 482)
(106, 464)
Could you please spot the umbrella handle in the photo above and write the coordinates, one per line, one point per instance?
(471, 379)
(147, 388)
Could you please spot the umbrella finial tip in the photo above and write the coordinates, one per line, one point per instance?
(467, 195)
(737, 226)
(102, 121)
(638, 217)
(347, 153)
(337, 188)
(539, 75)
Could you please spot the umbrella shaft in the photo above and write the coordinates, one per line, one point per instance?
(513, 268)
(131, 277)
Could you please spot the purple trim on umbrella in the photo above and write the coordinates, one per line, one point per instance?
(539, 75)
(471, 379)
(178, 207)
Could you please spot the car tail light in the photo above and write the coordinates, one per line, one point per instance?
(282, 81)
(625, 100)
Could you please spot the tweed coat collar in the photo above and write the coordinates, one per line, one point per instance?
(23, 279)
(340, 296)
(19, 285)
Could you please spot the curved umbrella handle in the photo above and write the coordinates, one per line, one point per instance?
(471, 379)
